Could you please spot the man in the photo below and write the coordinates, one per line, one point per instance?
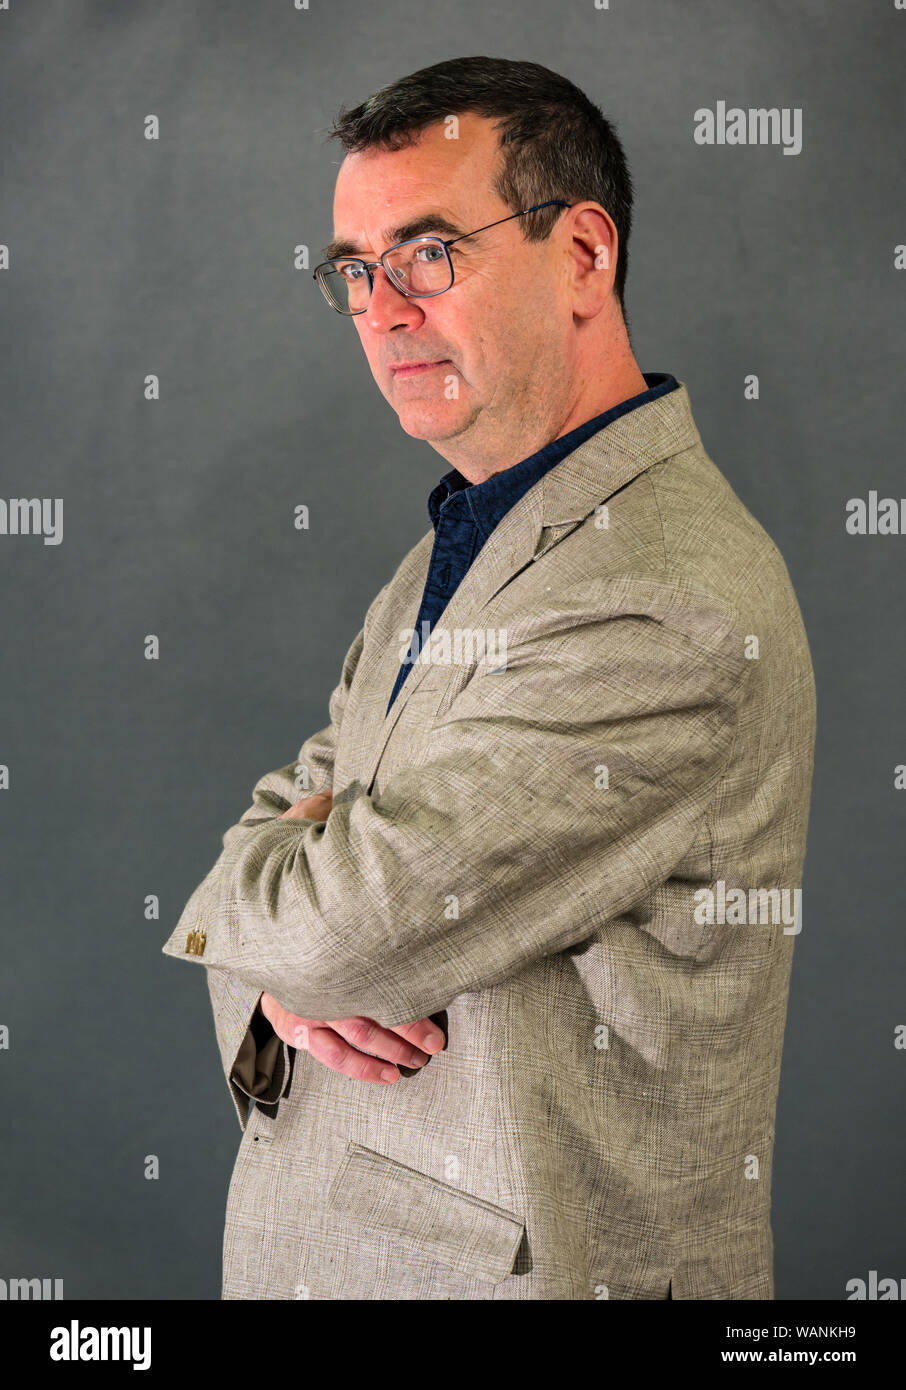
(499, 1046)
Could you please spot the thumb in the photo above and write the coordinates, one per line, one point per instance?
(289, 1027)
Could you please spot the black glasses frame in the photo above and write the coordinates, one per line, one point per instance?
(319, 273)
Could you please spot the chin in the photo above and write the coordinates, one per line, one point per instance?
(429, 425)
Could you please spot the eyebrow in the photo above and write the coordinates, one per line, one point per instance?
(425, 223)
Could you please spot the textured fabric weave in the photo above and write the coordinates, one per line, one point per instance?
(517, 852)
(464, 514)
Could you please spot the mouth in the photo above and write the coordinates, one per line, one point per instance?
(404, 369)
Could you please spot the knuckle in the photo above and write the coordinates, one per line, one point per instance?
(361, 1069)
(359, 1030)
(326, 1050)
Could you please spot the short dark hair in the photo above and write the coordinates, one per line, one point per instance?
(554, 141)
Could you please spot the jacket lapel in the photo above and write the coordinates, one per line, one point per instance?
(558, 503)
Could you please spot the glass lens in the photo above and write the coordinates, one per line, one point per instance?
(420, 267)
(346, 282)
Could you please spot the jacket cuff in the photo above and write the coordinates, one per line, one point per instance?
(262, 1065)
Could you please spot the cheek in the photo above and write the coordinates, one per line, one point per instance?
(371, 348)
(476, 326)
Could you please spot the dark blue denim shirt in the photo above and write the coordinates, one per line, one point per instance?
(464, 514)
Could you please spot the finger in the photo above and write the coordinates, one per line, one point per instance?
(303, 810)
(328, 1047)
(424, 1034)
(286, 1025)
(290, 1028)
(368, 1036)
(315, 807)
(271, 1009)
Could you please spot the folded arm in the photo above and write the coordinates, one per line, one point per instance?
(502, 846)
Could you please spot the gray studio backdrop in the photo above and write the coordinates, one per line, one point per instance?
(173, 258)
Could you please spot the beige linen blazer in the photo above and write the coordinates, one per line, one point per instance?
(524, 850)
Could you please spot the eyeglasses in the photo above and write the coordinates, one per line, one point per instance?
(420, 268)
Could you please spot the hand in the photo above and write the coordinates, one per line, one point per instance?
(330, 1041)
(315, 807)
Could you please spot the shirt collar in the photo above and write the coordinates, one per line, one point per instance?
(489, 501)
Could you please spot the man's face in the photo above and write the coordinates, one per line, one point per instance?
(500, 334)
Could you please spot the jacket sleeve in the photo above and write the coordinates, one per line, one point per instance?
(256, 1062)
(502, 845)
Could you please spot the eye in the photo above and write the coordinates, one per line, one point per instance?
(351, 271)
(430, 253)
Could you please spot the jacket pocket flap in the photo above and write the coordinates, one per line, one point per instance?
(466, 1233)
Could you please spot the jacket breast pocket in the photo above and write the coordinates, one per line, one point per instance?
(467, 1234)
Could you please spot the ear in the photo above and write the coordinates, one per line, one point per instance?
(593, 257)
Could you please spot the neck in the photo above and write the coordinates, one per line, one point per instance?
(597, 390)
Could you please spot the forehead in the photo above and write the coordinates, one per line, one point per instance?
(379, 188)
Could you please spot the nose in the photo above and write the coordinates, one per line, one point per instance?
(389, 308)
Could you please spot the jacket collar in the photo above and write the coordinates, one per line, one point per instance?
(489, 501)
(615, 455)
